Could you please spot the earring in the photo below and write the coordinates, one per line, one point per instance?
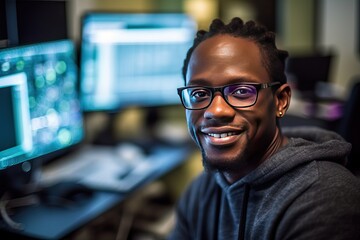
(280, 114)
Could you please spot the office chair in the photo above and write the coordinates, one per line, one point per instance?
(349, 127)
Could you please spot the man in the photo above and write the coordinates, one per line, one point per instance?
(260, 182)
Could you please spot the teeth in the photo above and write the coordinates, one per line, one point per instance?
(221, 135)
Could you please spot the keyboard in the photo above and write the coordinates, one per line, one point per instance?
(103, 168)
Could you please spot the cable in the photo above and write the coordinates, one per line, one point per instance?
(13, 203)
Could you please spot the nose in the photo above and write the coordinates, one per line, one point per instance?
(219, 109)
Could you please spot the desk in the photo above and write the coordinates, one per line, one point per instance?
(50, 222)
(43, 221)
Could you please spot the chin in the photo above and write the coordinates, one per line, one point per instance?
(223, 163)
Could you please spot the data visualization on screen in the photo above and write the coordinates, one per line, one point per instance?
(40, 108)
(133, 59)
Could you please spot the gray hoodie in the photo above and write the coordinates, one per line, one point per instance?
(301, 192)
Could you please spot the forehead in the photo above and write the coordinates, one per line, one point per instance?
(224, 57)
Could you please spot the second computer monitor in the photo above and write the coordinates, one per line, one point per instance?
(133, 59)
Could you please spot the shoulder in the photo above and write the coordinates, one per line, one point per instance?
(328, 208)
(334, 186)
(334, 176)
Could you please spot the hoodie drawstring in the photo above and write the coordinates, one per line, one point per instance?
(218, 203)
(242, 222)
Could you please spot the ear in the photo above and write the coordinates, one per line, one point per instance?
(282, 99)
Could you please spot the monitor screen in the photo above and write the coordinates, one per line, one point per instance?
(40, 109)
(133, 59)
(308, 70)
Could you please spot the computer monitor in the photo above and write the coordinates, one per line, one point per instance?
(133, 59)
(307, 71)
(40, 109)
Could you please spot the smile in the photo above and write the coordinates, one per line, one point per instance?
(222, 137)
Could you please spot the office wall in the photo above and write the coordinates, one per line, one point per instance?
(340, 31)
(76, 9)
(295, 25)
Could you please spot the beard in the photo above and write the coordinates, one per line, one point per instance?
(225, 164)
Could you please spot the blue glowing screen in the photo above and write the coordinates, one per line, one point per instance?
(40, 108)
(133, 59)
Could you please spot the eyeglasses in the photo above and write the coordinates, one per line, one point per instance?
(240, 95)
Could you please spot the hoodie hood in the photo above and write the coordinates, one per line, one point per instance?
(305, 144)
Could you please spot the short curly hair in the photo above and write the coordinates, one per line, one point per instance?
(273, 58)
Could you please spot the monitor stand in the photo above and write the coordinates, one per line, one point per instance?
(107, 136)
(150, 118)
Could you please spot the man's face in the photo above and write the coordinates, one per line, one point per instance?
(231, 138)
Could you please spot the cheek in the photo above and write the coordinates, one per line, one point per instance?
(264, 121)
(262, 115)
(191, 123)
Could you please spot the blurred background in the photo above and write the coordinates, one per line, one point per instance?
(322, 37)
(302, 26)
(307, 26)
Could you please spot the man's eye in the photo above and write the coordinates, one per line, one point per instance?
(243, 92)
(199, 94)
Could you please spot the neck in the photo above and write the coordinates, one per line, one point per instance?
(277, 142)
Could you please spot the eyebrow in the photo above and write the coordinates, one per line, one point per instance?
(203, 82)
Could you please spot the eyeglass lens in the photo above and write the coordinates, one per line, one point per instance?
(239, 95)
